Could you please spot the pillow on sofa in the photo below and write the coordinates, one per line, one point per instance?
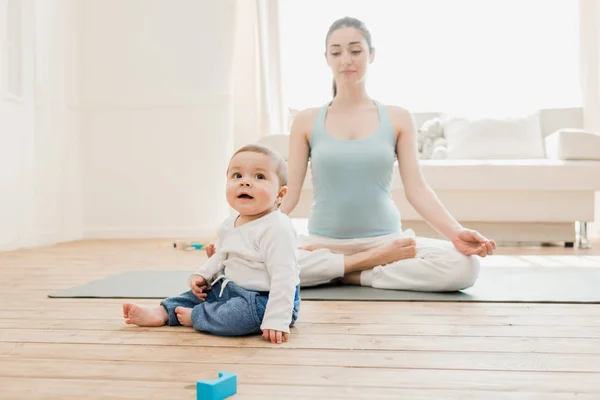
(573, 144)
(431, 142)
(494, 137)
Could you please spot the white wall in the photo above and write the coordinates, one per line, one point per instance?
(40, 181)
(58, 160)
(125, 126)
(156, 98)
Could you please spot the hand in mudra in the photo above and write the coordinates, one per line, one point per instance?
(470, 242)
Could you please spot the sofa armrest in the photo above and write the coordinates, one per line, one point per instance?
(573, 144)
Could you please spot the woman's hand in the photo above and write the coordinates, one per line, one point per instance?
(470, 242)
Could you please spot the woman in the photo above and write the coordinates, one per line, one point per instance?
(355, 228)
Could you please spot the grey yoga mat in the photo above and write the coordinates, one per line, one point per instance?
(532, 284)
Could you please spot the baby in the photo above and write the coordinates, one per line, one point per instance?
(251, 284)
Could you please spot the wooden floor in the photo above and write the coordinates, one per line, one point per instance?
(81, 349)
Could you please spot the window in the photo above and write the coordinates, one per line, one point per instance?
(12, 48)
(441, 55)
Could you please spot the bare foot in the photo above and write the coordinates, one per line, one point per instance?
(144, 316)
(184, 315)
(396, 250)
(352, 278)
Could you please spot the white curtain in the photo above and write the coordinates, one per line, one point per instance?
(258, 91)
(590, 62)
(590, 76)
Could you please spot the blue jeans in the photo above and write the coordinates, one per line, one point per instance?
(237, 312)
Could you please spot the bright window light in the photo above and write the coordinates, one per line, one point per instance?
(440, 55)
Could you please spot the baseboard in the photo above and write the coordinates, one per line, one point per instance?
(508, 233)
(502, 232)
(197, 233)
(11, 246)
(41, 239)
(51, 238)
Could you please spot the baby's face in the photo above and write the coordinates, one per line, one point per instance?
(252, 183)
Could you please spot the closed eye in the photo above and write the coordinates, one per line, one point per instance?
(354, 52)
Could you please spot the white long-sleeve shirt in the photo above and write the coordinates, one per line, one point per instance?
(260, 255)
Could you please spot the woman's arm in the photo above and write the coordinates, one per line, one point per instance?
(418, 193)
(297, 159)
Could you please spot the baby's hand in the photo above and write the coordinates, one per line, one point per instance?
(210, 250)
(273, 336)
(198, 285)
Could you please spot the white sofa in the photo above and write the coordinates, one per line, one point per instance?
(542, 200)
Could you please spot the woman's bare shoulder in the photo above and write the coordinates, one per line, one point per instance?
(398, 112)
(306, 115)
(304, 121)
(402, 118)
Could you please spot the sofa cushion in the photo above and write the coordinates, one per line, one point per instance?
(494, 137)
(573, 144)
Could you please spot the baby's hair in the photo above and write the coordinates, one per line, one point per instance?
(281, 166)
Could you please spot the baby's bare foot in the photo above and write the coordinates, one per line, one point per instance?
(144, 316)
(184, 315)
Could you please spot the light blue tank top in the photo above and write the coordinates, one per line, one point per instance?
(352, 181)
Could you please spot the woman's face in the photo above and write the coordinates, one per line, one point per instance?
(348, 55)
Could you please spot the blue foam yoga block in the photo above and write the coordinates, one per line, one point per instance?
(217, 389)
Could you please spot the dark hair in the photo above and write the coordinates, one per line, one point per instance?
(281, 166)
(349, 22)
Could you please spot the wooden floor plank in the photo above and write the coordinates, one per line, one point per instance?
(187, 336)
(492, 361)
(184, 372)
(74, 311)
(39, 299)
(591, 332)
